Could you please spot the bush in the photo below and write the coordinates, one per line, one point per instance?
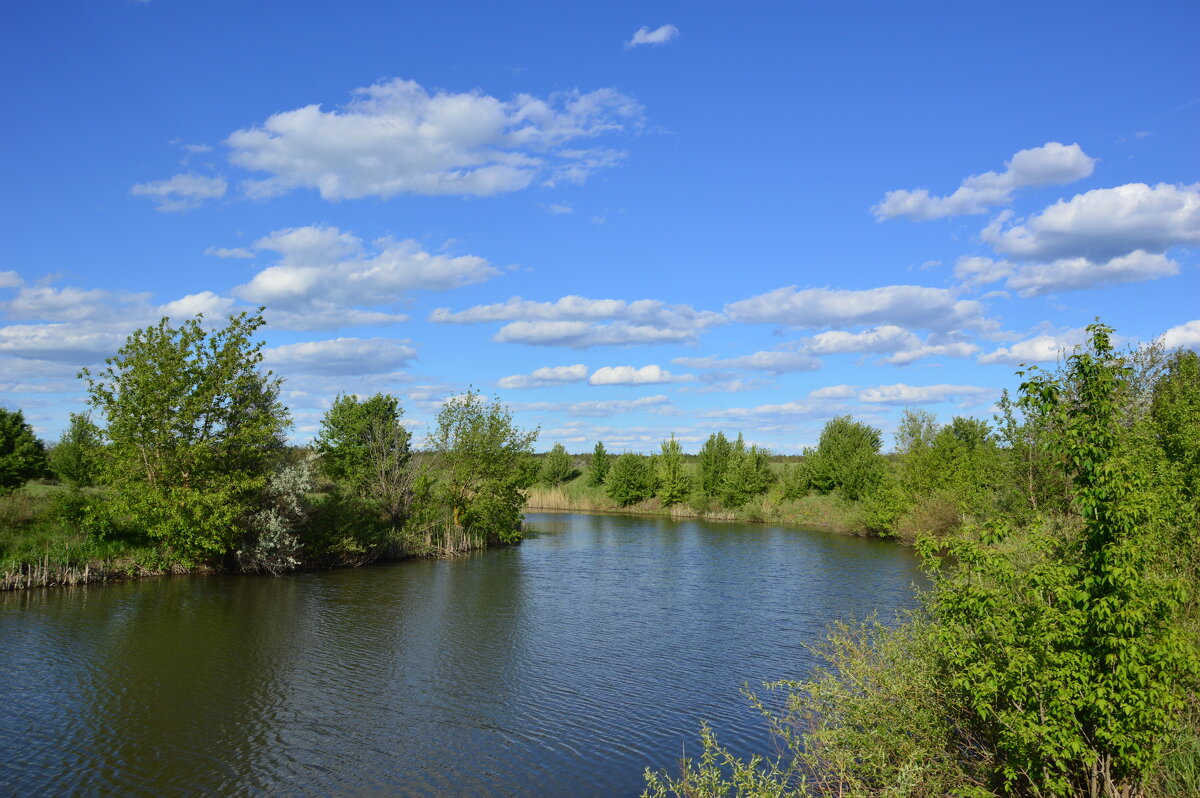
(630, 480)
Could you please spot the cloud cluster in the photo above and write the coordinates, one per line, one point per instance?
(545, 377)
(1050, 164)
(596, 408)
(1185, 335)
(340, 356)
(181, 192)
(579, 323)
(324, 277)
(631, 375)
(911, 306)
(396, 137)
(1044, 348)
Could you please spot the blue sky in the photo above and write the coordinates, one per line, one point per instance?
(625, 219)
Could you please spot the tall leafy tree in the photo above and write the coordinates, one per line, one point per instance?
(747, 474)
(847, 458)
(485, 464)
(557, 467)
(77, 457)
(194, 428)
(713, 460)
(597, 470)
(673, 484)
(365, 450)
(22, 455)
(630, 480)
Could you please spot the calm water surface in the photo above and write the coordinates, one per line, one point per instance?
(564, 666)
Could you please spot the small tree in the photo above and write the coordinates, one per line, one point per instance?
(713, 460)
(748, 474)
(847, 458)
(365, 451)
(22, 455)
(76, 458)
(485, 464)
(673, 484)
(630, 480)
(557, 467)
(194, 428)
(597, 470)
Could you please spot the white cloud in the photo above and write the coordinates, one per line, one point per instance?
(395, 137)
(229, 252)
(834, 392)
(59, 342)
(777, 362)
(1045, 348)
(1103, 224)
(902, 394)
(595, 408)
(628, 375)
(974, 271)
(545, 377)
(340, 356)
(1052, 163)
(181, 192)
(1183, 335)
(578, 322)
(559, 208)
(205, 302)
(884, 338)
(1068, 274)
(22, 375)
(660, 35)
(324, 275)
(10, 280)
(910, 306)
(784, 410)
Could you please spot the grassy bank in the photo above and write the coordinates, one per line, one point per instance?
(830, 512)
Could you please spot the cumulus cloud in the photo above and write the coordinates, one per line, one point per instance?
(596, 408)
(60, 342)
(902, 394)
(1103, 224)
(325, 276)
(1045, 348)
(1052, 163)
(229, 252)
(776, 362)
(834, 392)
(579, 322)
(545, 377)
(10, 280)
(660, 35)
(340, 356)
(1066, 274)
(911, 306)
(1185, 335)
(396, 137)
(629, 375)
(974, 271)
(181, 192)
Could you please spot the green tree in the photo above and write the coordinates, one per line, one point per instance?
(485, 464)
(1175, 411)
(713, 460)
(597, 470)
(22, 455)
(194, 429)
(365, 450)
(1065, 653)
(76, 458)
(747, 474)
(630, 480)
(557, 467)
(847, 458)
(673, 484)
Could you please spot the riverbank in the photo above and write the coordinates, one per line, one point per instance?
(828, 513)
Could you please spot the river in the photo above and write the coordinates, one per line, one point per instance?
(563, 666)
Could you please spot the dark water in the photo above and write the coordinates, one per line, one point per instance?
(564, 666)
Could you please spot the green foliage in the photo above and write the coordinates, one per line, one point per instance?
(194, 428)
(673, 484)
(713, 461)
(1175, 411)
(747, 474)
(366, 452)
(557, 467)
(485, 463)
(1063, 650)
(77, 457)
(22, 455)
(630, 480)
(597, 470)
(846, 458)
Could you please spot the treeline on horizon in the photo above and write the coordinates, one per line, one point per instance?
(182, 462)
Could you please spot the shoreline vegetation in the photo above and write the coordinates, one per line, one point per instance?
(1056, 651)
